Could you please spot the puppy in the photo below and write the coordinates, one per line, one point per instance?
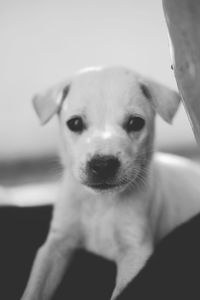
(116, 198)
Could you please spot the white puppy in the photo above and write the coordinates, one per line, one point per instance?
(116, 199)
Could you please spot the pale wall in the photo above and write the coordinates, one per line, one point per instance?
(43, 42)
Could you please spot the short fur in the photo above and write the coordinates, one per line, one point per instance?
(128, 213)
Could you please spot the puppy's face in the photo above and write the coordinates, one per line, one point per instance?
(107, 127)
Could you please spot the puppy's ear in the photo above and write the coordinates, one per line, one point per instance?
(164, 100)
(48, 104)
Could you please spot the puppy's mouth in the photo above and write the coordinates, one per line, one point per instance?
(103, 186)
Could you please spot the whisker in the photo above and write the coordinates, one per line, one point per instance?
(136, 178)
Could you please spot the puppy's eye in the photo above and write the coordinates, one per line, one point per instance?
(76, 124)
(134, 124)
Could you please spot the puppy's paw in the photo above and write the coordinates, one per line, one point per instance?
(116, 292)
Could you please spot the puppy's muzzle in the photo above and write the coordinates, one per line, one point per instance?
(102, 171)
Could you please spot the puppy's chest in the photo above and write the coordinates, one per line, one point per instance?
(108, 231)
(99, 234)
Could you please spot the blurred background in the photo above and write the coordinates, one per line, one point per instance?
(44, 42)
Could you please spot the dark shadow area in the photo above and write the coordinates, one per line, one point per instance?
(22, 231)
(173, 271)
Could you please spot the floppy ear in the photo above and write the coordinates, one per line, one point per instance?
(164, 100)
(48, 104)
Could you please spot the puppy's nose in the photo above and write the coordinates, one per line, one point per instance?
(104, 167)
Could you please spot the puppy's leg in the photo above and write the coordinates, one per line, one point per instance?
(50, 264)
(129, 266)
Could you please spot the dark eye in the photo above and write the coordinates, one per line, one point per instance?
(76, 124)
(134, 124)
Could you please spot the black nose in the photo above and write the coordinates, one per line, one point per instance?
(104, 167)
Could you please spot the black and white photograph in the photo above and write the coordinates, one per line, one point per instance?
(99, 150)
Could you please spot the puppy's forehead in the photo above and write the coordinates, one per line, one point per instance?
(108, 88)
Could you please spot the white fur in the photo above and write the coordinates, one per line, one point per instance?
(152, 194)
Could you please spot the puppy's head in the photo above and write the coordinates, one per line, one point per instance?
(106, 117)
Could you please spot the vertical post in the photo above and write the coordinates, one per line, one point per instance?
(183, 21)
